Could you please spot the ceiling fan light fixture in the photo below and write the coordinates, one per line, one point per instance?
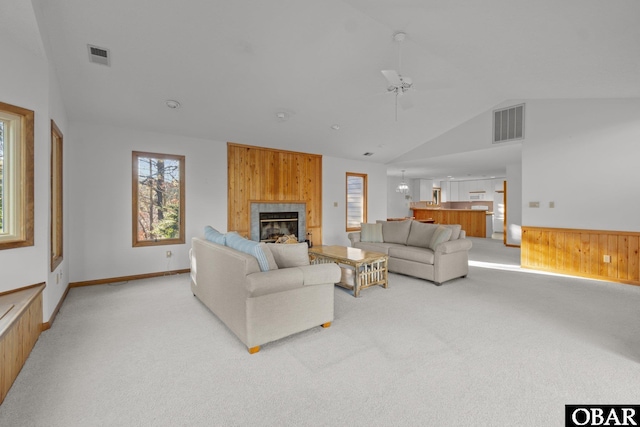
(173, 104)
(282, 116)
(403, 187)
(399, 36)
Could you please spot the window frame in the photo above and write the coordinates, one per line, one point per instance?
(136, 155)
(18, 168)
(57, 197)
(365, 202)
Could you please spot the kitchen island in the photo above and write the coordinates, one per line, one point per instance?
(473, 221)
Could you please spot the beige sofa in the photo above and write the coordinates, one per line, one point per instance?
(417, 249)
(261, 306)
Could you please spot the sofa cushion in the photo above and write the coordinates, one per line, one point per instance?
(213, 235)
(455, 230)
(396, 231)
(290, 255)
(412, 253)
(239, 243)
(270, 259)
(371, 233)
(442, 234)
(420, 234)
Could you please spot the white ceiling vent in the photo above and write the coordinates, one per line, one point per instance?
(99, 55)
(508, 124)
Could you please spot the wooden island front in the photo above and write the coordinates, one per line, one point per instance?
(473, 222)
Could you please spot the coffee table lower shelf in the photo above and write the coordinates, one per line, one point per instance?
(360, 269)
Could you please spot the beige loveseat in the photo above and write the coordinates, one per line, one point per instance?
(261, 306)
(421, 250)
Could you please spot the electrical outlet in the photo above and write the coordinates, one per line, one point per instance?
(534, 204)
(335, 204)
(607, 258)
(552, 204)
(169, 254)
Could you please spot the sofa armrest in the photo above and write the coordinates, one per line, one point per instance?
(273, 281)
(354, 237)
(452, 246)
(319, 274)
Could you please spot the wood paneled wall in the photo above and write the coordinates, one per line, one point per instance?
(581, 253)
(264, 175)
(20, 328)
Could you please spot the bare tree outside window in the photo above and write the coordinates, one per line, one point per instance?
(158, 199)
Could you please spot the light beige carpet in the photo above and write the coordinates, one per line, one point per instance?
(502, 347)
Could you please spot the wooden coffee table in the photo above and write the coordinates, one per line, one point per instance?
(360, 269)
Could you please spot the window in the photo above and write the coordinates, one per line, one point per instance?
(56, 196)
(356, 200)
(158, 199)
(16, 177)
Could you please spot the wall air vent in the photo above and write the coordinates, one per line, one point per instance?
(99, 55)
(508, 124)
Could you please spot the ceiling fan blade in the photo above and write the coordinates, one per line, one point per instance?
(392, 77)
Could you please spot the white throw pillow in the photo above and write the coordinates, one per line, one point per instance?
(290, 255)
(371, 233)
(442, 234)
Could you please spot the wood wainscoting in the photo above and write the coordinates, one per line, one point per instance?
(20, 327)
(264, 175)
(582, 253)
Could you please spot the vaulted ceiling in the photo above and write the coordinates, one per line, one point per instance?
(233, 65)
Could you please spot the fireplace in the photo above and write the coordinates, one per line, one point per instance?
(258, 208)
(277, 224)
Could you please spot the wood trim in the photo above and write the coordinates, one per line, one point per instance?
(504, 222)
(127, 278)
(22, 289)
(365, 202)
(56, 251)
(27, 166)
(47, 325)
(580, 252)
(135, 155)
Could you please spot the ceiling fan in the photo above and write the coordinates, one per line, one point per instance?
(398, 84)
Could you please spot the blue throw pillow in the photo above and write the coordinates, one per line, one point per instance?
(213, 235)
(239, 243)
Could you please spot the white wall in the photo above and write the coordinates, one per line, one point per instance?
(100, 199)
(27, 81)
(582, 155)
(514, 204)
(334, 171)
(397, 203)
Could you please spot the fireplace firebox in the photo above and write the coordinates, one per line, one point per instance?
(277, 224)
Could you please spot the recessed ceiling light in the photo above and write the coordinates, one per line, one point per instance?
(173, 104)
(282, 116)
(335, 127)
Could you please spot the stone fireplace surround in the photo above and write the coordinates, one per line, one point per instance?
(257, 207)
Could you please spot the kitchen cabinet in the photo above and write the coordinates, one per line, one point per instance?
(454, 191)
